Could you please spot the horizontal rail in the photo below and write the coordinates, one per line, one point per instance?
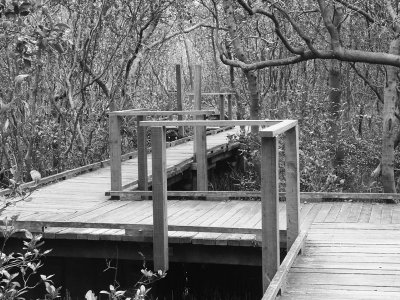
(133, 227)
(278, 129)
(212, 94)
(257, 194)
(70, 173)
(160, 113)
(213, 123)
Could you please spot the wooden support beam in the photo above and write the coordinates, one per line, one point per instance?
(142, 156)
(292, 184)
(197, 87)
(269, 209)
(179, 96)
(201, 158)
(218, 123)
(167, 113)
(115, 153)
(278, 128)
(160, 219)
(200, 138)
(212, 94)
(221, 107)
(304, 196)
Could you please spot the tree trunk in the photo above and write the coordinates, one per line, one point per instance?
(335, 95)
(254, 98)
(240, 54)
(389, 123)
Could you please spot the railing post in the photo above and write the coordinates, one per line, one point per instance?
(115, 152)
(179, 96)
(142, 156)
(221, 107)
(269, 208)
(230, 113)
(160, 220)
(200, 140)
(292, 185)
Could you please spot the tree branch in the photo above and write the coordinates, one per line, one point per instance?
(348, 55)
(358, 10)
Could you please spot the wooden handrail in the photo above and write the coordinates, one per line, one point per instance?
(134, 112)
(224, 195)
(212, 123)
(212, 93)
(269, 175)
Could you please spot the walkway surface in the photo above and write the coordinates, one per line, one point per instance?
(352, 251)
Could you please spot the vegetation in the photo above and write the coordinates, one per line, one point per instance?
(333, 65)
(67, 63)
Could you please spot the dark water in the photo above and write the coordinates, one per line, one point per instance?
(183, 281)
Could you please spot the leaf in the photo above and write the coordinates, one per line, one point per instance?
(28, 234)
(90, 295)
(105, 292)
(21, 78)
(6, 124)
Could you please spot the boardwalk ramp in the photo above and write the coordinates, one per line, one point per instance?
(343, 260)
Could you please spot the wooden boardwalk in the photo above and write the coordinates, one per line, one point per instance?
(351, 251)
(81, 200)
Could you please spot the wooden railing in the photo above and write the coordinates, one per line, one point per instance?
(115, 142)
(269, 186)
(221, 103)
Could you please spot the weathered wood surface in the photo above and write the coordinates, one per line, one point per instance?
(270, 209)
(135, 112)
(352, 251)
(296, 247)
(55, 208)
(160, 217)
(304, 196)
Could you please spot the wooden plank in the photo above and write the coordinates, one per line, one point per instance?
(115, 153)
(212, 123)
(396, 216)
(334, 212)
(345, 280)
(365, 213)
(387, 212)
(212, 94)
(280, 277)
(142, 156)
(257, 194)
(277, 129)
(200, 140)
(334, 293)
(166, 113)
(179, 96)
(201, 158)
(292, 185)
(160, 220)
(355, 213)
(344, 212)
(197, 87)
(323, 213)
(269, 208)
(376, 214)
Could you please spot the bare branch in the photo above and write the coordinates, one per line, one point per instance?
(367, 82)
(358, 10)
(348, 55)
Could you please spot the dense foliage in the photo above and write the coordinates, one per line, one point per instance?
(67, 63)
